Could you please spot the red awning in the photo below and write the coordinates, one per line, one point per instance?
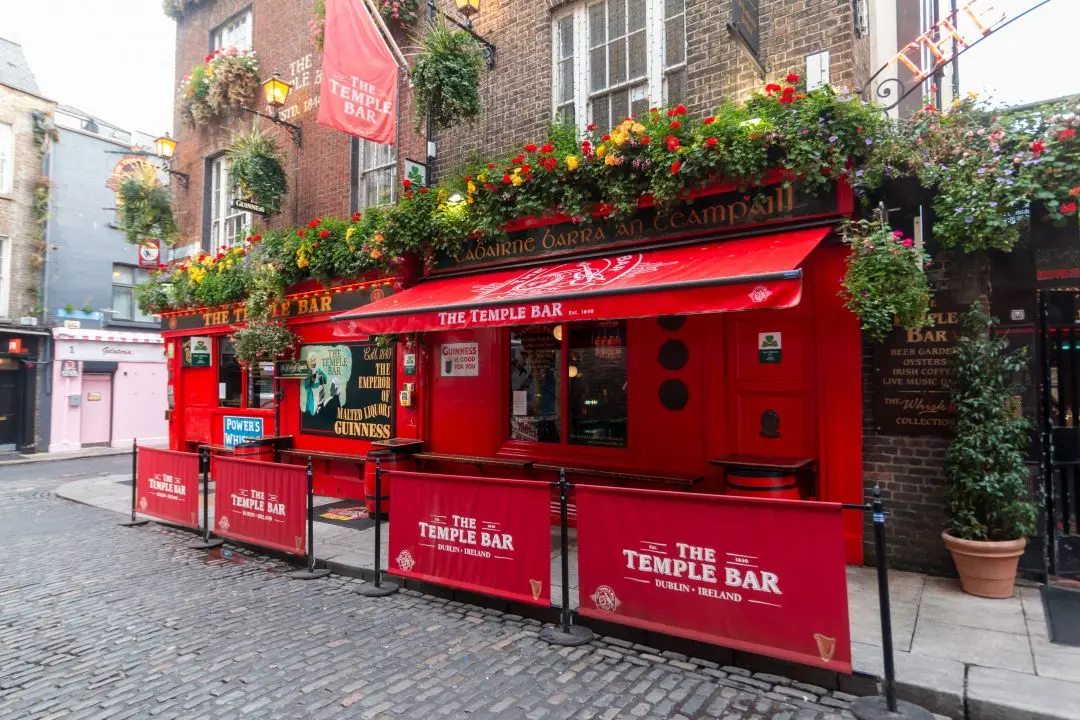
(744, 274)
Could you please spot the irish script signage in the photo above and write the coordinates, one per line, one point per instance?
(705, 215)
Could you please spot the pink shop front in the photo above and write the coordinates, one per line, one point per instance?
(105, 388)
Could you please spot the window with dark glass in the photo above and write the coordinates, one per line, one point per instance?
(536, 384)
(596, 373)
(593, 380)
(230, 375)
(261, 385)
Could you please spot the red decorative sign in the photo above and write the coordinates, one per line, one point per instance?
(764, 576)
(261, 503)
(149, 253)
(168, 486)
(484, 535)
(359, 93)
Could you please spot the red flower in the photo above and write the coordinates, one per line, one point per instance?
(590, 127)
(672, 142)
(605, 137)
(530, 148)
(645, 140)
(788, 95)
(257, 238)
(709, 120)
(300, 232)
(549, 163)
(314, 223)
(1069, 207)
(1075, 191)
(183, 266)
(547, 149)
(208, 57)
(518, 160)
(679, 110)
(406, 182)
(1065, 134)
(675, 167)
(929, 108)
(324, 234)
(315, 244)
(491, 166)
(506, 180)
(675, 125)
(586, 147)
(491, 187)
(220, 255)
(772, 88)
(356, 217)
(424, 191)
(1037, 147)
(710, 142)
(526, 169)
(792, 78)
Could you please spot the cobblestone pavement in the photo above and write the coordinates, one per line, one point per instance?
(99, 621)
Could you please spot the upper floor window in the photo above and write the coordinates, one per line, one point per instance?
(377, 173)
(228, 225)
(7, 159)
(124, 307)
(5, 274)
(615, 58)
(234, 32)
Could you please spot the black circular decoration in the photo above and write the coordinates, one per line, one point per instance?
(674, 394)
(671, 323)
(673, 355)
(770, 424)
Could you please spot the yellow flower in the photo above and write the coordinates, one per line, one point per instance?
(612, 160)
(349, 234)
(516, 179)
(601, 151)
(301, 260)
(482, 177)
(471, 187)
(572, 162)
(638, 128)
(618, 137)
(973, 95)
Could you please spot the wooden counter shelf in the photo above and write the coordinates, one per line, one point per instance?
(473, 460)
(323, 455)
(624, 476)
(761, 462)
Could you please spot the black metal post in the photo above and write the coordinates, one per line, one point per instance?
(567, 633)
(207, 543)
(888, 707)
(378, 588)
(133, 522)
(310, 572)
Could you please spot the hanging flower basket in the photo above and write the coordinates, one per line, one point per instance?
(226, 80)
(256, 171)
(145, 207)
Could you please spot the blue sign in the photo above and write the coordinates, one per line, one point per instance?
(242, 429)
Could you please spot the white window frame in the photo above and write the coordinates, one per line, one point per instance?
(5, 275)
(7, 159)
(222, 213)
(129, 288)
(366, 171)
(656, 71)
(227, 33)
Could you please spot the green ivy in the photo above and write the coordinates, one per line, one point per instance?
(446, 77)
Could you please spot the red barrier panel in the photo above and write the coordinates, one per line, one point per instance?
(485, 535)
(168, 485)
(261, 503)
(765, 576)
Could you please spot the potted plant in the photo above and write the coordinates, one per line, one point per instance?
(989, 513)
(256, 170)
(446, 77)
(145, 207)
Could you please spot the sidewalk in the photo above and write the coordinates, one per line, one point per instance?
(953, 651)
(17, 459)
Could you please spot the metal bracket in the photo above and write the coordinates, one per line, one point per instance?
(293, 129)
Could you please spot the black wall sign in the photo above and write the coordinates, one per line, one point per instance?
(250, 207)
(348, 391)
(745, 29)
(709, 214)
(912, 375)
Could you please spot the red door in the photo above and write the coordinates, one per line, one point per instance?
(96, 420)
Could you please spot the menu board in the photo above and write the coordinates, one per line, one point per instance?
(912, 376)
(348, 391)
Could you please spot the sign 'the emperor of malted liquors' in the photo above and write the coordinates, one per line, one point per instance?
(704, 215)
(348, 392)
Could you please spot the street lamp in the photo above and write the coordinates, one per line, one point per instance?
(468, 8)
(276, 92)
(165, 147)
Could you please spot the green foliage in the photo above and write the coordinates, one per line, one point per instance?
(227, 79)
(987, 494)
(69, 308)
(145, 207)
(446, 77)
(256, 170)
(885, 285)
(263, 341)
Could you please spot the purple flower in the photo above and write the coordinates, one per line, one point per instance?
(858, 173)
(833, 139)
(993, 203)
(969, 219)
(981, 170)
(869, 141)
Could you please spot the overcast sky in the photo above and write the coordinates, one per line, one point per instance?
(114, 58)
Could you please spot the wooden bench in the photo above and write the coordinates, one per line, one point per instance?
(520, 464)
(624, 476)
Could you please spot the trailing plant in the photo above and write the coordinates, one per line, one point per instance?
(145, 207)
(987, 493)
(256, 170)
(264, 339)
(885, 285)
(446, 77)
(227, 79)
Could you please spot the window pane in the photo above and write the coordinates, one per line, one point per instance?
(598, 69)
(617, 62)
(620, 106)
(675, 86)
(229, 374)
(121, 303)
(535, 381)
(261, 386)
(598, 108)
(639, 105)
(597, 36)
(639, 55)
(616, 26)
(597, 384)
(672, 8)
(566, 38)
(566, 114)
(123, 274)
(635, 15)
(566, 80)
(674, 41)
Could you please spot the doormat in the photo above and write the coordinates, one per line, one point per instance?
(348, 513)
(1063, 611)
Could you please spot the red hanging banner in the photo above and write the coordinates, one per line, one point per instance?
(485, 535)
(261, 503)
(764, 576)
(359, 93)
(168, 485)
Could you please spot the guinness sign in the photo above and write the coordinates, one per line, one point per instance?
(250, 207)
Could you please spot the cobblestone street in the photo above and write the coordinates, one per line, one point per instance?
(99, 621)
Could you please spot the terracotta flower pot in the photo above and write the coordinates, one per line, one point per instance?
(987, 568)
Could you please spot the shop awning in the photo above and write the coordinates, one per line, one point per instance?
(745, 274)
